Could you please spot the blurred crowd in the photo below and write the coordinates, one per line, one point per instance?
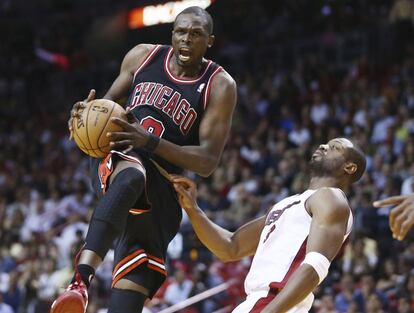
(284, 112)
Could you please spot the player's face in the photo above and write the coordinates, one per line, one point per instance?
(190, 39)
(330, 158)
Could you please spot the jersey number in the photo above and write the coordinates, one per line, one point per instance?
(273, 216)
(153, 126)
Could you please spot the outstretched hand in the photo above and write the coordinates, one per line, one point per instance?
(77, 108)
(186, 190)
(402, 215)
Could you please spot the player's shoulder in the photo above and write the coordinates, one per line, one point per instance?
(140, 51)
(331, 199)
(223, 86)
(224, 79)
(137, 55)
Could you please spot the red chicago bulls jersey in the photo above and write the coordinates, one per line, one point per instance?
(168, 106)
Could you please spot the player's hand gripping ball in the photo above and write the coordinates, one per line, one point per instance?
(92, 122)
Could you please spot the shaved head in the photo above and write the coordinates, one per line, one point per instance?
(355, 155)
(338, 157)
(199, 12)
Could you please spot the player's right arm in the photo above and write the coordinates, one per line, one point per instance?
(120, 87)
(227, 246)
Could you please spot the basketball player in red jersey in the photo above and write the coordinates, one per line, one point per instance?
(295, 242)
(182, 104)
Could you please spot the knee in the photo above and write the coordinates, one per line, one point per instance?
(136, 179)
(131, 177)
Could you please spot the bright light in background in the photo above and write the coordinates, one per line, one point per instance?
(161, 13)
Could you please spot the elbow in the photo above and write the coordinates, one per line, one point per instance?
(207, 166)
(230, 255)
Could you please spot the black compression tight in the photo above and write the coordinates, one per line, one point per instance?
(111, 213)
(126, 301)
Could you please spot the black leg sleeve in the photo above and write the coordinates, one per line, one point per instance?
(111, 213)
(126, 301)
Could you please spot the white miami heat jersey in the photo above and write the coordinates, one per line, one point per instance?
(282, 245)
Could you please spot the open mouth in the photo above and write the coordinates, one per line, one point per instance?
(184, 54)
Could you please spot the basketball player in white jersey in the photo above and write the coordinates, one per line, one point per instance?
(294, 244)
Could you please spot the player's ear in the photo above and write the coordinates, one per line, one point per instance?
(210, 41)
(350, 168)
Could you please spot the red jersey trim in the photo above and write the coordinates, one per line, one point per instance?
(176, 79)
(138, 211)
(275, 287)
(134, 260)
(208, 87)
(147, 59)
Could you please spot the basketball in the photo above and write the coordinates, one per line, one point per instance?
(90, 128)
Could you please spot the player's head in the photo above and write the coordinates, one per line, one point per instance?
(338, 158)
(192, 35)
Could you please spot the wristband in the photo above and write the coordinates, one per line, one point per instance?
(319, 262)
(152, 143)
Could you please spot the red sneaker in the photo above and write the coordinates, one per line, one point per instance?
(73, 300)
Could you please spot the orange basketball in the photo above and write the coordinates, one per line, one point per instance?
(90, 128)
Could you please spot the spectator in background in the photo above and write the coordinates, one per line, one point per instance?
(73, 207)
(300, 135)
(46, 288)
(15, 293)
(388, 277)
(374, 304)
(38, 222)
(406, 288)
(384, 121)
(353, 308)
(404, 304)
(344, 298)
(179, 289)
(327, 304)
(5, 308)
(359, 258)
(367, 296)
(319, 110)
(402, 18)
(407, 186)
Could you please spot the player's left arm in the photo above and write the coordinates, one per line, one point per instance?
(330, 212)
(214, 129)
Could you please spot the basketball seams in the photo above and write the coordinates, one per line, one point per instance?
(83, 146)
(75, 134)
(87, 133)
(90, 138)
(103, 128)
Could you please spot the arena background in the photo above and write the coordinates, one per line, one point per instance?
(306, 71)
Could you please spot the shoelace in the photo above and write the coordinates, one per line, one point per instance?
(78, 287)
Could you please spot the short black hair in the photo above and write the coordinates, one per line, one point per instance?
(356, 156)
(199, 12)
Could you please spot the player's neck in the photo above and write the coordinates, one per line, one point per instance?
(184, 72)
(320, 182)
